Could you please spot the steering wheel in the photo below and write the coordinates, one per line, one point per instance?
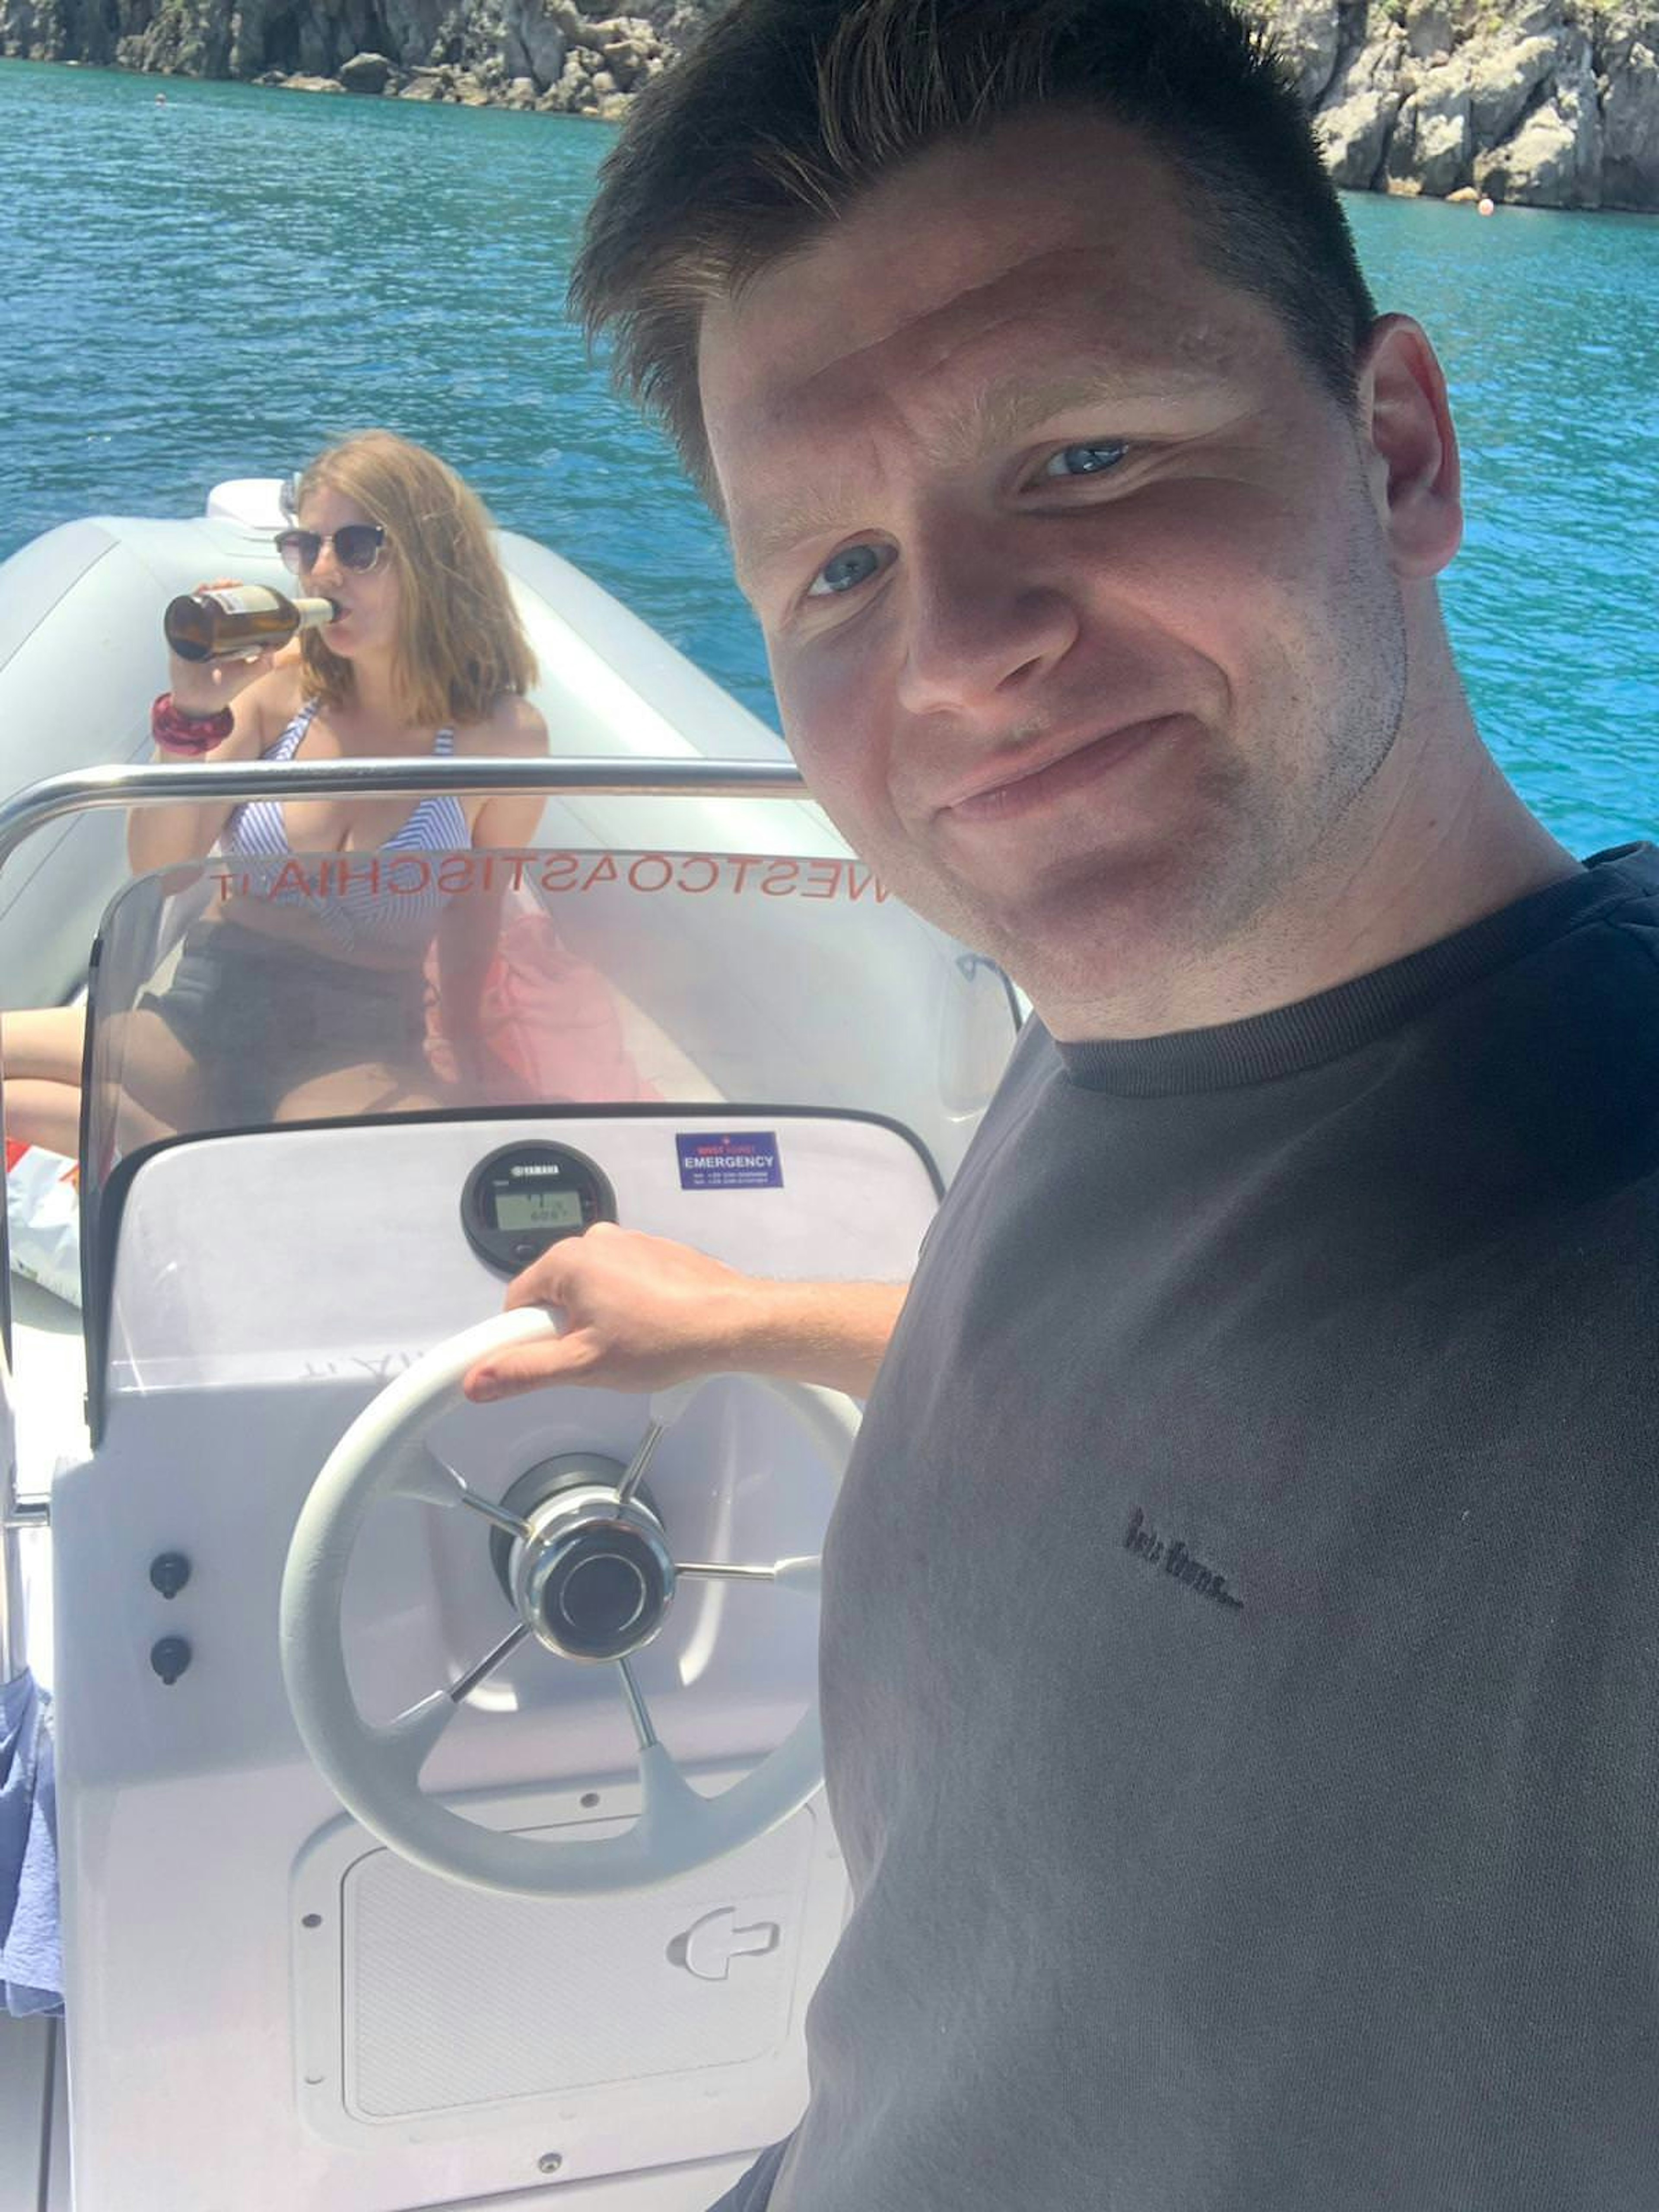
(591, 1577)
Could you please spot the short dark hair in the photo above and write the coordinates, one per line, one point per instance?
(785, 110)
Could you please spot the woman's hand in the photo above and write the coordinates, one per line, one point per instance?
(203, 687)
(167, 836)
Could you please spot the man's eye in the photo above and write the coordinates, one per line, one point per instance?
(1083, 460)
(849, 569)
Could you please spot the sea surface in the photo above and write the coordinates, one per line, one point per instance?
(212, 286)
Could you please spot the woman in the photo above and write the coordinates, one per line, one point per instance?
(288, 1004)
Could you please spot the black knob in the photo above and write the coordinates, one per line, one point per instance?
(169, 1571)
(169, 1657)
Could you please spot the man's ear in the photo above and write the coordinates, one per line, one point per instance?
(1410, 446)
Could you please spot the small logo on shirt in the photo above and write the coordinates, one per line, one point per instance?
(1144, 1541)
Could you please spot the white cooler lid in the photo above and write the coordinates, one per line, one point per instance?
(254, 501)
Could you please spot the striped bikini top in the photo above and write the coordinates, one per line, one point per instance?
(361, 898)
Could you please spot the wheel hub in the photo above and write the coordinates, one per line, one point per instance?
(594, 1579)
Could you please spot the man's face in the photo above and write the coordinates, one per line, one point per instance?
(1078, 601)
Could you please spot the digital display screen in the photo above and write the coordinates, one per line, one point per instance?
(538, 1209)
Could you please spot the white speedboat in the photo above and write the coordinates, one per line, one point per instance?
(437, 1785)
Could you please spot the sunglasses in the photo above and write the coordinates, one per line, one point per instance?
(357, 546)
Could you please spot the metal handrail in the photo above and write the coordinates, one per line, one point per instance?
(93, 789)
(600, 777)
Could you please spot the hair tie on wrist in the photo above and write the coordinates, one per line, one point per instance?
(188, 735)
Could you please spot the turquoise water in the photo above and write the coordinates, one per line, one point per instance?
(211, 288)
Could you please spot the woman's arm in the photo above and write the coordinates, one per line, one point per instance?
(261, 692)
(469, 930)
(514, 731)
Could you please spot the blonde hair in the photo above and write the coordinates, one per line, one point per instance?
(460, 644)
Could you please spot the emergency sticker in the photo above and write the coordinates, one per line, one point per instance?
(746, 1160)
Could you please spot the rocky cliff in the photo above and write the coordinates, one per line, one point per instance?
(546, 54)
(1554, 103)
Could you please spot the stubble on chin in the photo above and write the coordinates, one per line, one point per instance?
(1160, 934)
(1109, 907)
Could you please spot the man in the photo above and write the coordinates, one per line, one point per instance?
(1241, 1695)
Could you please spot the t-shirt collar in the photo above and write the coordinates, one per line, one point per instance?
(1262, 1047)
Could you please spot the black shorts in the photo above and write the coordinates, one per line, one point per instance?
(260, 1015)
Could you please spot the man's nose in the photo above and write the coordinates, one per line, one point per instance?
(981, 630)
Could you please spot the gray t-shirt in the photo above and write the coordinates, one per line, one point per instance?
(1240, 1646)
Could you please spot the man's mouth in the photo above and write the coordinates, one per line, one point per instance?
(1051, 775)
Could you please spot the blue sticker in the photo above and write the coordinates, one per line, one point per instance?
(746, 1160)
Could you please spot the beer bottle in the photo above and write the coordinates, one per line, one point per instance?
(237, 619)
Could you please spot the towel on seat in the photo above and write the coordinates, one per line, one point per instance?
(31, 1954)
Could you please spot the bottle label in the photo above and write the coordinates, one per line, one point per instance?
(246, 599)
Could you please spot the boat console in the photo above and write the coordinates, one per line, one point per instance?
(438, 1784)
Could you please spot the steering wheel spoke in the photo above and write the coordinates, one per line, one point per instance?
(672, 1816)
(665, 1408)
(407, 1743)
(642, 1460)
(431, 1480)
(459, 1690)
(645, 1734)
(800, 1574)
(427, 1479)
(803, 1575)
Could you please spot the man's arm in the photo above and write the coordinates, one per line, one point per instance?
(640, 1313)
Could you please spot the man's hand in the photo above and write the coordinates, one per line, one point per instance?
(640, 1313)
